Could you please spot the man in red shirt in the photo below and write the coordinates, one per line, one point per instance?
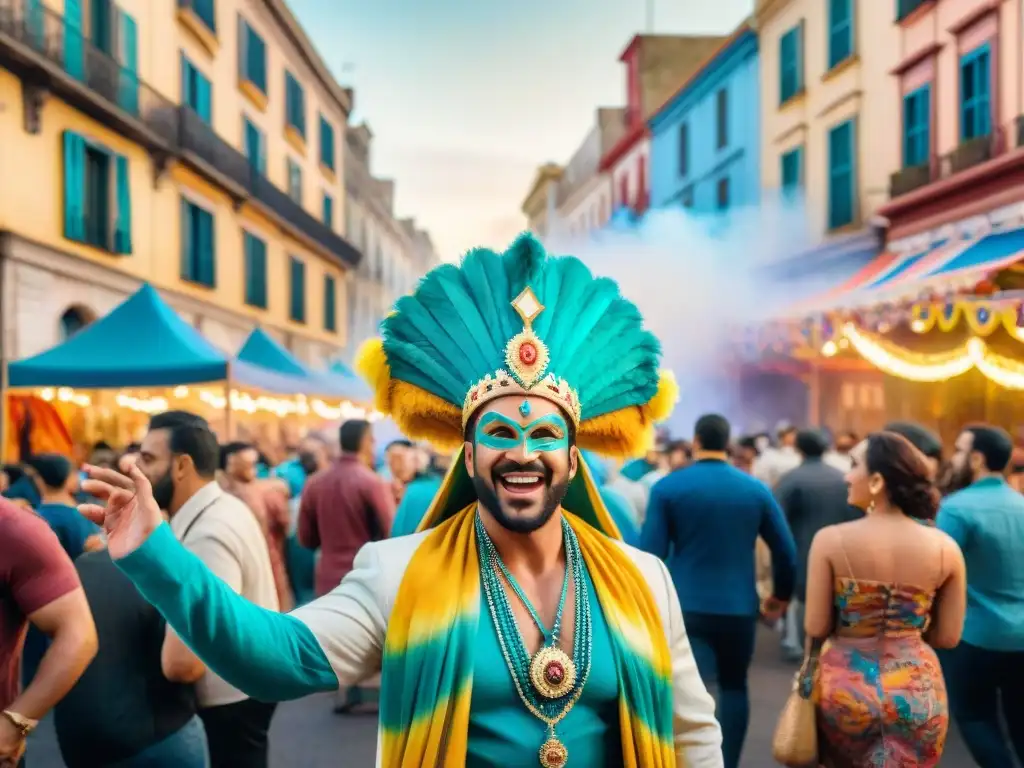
(342, 508)
(38, 584)
(345, 507)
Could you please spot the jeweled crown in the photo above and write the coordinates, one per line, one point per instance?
(526, 361)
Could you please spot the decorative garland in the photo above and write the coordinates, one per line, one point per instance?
(915, 366)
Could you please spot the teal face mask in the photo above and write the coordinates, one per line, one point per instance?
(554, 433)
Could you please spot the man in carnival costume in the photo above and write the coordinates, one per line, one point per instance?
(509, 630)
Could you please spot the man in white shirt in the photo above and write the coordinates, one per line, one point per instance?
(180, 456)
(774, 462)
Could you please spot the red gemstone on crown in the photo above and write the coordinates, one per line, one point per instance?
(554, 672)
(527, 353)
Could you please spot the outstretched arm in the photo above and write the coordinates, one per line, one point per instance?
(267, 655)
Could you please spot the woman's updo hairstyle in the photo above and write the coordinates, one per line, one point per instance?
(906, 474)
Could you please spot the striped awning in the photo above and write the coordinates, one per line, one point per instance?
(947, 266)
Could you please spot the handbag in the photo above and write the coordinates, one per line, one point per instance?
(795, 742)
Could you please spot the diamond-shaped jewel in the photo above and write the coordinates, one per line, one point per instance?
(527, 305)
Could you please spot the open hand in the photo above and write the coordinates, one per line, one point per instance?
(129, 514)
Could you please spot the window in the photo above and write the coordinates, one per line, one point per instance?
(906, 7)
(255, 251)
(686, 197)
(917, 115)
(840, 31)
(792, 170)
(127, 55)
(252, 57)
(328, 212)
(294, 105)
(841, 191)
(684, 150)
(101, 24)
(97, 195)
(330, 304)
(722, 194)
(326, 144)
(722, 119)
(297, 305)
(204, 10)
(975, 84)
(198, 248)
(196, 91)
(791, 63)
(295, 181)
(255, 146)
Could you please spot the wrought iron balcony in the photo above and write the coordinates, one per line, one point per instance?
(910, 178)
(204, 149)
(970, 153)
(51, 57)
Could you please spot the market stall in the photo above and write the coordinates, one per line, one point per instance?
(140, 359)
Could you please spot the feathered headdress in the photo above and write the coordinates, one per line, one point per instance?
(520, 322)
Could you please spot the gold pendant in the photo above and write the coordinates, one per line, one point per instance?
(553, 753)
(552, 673)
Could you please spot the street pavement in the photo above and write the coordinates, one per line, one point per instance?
(307, 734)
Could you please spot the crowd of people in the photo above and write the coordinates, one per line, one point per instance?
(843, 540)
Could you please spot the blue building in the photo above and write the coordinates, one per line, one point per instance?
(705, 141)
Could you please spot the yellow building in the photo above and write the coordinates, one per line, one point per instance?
(829, 120)
(193, 144)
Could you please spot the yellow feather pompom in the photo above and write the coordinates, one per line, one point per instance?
(372, 364)
(660, 406)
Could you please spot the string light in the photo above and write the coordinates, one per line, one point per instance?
(142, 404)
(937, 367)
(65, 395)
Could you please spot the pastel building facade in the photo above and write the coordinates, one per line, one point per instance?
(960, 100)
(192, 144)
(584, 196)
(828, 107)
(705, 141)
(655, 66)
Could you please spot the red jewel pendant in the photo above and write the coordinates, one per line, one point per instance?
(527, 353)
(552, 672)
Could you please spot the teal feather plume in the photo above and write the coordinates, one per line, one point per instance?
(452, 331)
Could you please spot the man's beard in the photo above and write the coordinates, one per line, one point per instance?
(487, 495)
(163, 491)
(957, 478)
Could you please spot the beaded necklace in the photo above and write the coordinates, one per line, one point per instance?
(548, 683)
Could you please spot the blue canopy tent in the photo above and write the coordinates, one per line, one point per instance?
(353, 384)
(263, 352)
(141, 343)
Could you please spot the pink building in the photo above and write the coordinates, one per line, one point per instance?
(961, 77)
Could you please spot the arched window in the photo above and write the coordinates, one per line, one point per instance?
(74, 319)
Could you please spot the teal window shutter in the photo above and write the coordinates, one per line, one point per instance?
(841, 179)
(792, 170)
(74, 48)
(204, 98)
(74, 186)
(840, 31)
(330, 304)
(326, 143)
(205, 11)
(328, 216)
(101, 26)
(252, 56)
(128, 91)
(255, 271)
(917, 116)
(298, 290)
(975, 93)
(295, 104)
(188, 245)
(123, 220)
(196, 91)
(35, 23)
(208, 250)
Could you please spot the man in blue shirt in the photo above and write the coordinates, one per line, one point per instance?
(704, 521)
(985, 673)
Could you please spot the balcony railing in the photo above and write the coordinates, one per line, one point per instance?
(204, 148)
(37, 44)
(970, 153)
(910, 178)
(36, 41)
